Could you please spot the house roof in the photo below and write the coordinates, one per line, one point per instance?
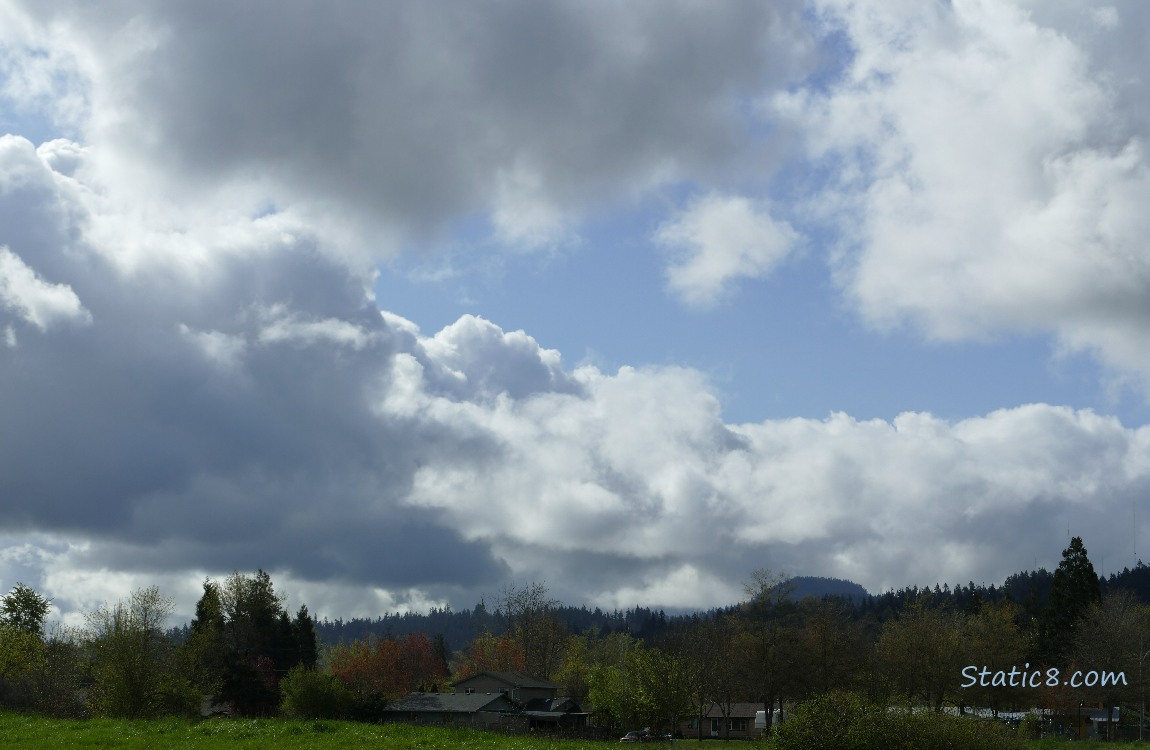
(556, 706)
(554, 714)
(514, 679)
(450, 703)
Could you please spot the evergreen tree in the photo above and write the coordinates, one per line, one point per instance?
(1074, 589)
(439, 643)
(285, 649)
(242, 642)
(303, 629)
(206, 648)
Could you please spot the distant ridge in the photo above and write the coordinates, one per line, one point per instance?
(805, 586)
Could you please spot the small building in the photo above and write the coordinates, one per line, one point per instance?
(778, 716)
(554, 714)
(517, 686)
(457, 709)
(739, 723)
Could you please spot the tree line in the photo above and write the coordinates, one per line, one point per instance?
(125, 663)
(244, 653)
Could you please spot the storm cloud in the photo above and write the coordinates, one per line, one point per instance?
(196, 376)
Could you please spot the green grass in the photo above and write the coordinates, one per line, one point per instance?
(1068, 744)
(18, 732)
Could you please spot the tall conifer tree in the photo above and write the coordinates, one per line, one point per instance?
(1074, 589)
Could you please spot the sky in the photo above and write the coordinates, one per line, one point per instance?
(409, 302)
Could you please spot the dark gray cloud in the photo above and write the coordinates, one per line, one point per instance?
(194, 377)
(409, 115)
(231, 398)
(225, 424)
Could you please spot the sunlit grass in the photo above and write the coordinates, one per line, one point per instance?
(33, 733)
(20, 732)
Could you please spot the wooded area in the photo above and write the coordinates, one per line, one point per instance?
(244, 654)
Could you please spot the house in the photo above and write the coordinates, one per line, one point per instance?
(554, 713)
(517, 686)
(506, 699)
(459, 709)
(739, 723)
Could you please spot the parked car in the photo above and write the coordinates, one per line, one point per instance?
(645, 735)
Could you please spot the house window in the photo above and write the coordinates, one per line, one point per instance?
(693, 724)
(468, 691)
(738, 725)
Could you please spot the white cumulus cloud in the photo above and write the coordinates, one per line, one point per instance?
(989, 171)
(37, 301)
(718, 239)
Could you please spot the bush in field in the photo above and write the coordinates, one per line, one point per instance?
(308, 694)
(843, 721)
(1031, 727)
(369, 708)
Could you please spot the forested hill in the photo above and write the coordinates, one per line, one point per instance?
(460, 628)
(803, 586)
(1029, 589)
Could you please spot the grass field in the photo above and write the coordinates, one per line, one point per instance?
(18, 732)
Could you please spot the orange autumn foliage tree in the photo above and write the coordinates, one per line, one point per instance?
(391, 667)
(491, 653)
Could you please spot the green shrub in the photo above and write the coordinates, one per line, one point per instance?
(176, 696)
(1030, 727)
(369, 707)
(310, 694)
(844, 721)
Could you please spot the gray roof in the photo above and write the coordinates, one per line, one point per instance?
(450, 703)
(552, 705)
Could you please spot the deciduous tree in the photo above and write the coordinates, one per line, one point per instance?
(765, 617)
(388, 667)
(614, 680)
(921, 654)
(491, 653)
(529, 617)
(830, 648)
(575, 667)
(992, 639)
(663, 681)
(22, 647)
(22, 657)
(134, 663)
(24, 609)
(1112, 638)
